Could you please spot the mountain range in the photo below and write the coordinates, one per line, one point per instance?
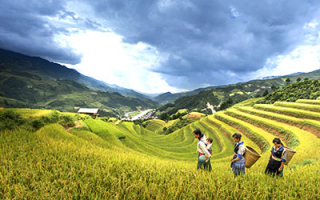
(220, 95)
(37, 83)
(46, 69)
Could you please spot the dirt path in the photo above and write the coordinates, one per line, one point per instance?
(78, 124)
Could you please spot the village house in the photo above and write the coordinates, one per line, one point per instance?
(89, 111)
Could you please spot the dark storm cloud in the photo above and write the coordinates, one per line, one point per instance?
(210, 42)
(25, 27)
(199, 42)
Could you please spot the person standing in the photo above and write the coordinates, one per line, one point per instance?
(277, 159)
(209, 145)
(238, 160)
(201, 148)
(209, 148)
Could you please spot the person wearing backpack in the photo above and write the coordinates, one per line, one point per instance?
(204, 155)
(238, 160)
(277, 159)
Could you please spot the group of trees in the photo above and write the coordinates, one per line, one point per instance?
(307, 89)
(165, 116)
(274, 88)
(206, 96)
(226, 104)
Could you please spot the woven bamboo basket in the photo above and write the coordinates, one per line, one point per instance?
(251, 156)
(290, 154)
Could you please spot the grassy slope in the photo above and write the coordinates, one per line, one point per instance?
(54, 163)
(242, 91)
(27, 90)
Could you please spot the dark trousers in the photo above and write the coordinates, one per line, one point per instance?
(272, 168)
(204, 165)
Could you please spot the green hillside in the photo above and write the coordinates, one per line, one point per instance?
(307, 89)
(226, 96)
(49, 70)
(21, 89)
(105, 160)
(168, 97)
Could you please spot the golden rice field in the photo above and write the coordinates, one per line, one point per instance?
(157, 125)
(33, 113)
(127, 161)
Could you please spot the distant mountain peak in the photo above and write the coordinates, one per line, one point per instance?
(272, 77)
(166, 93)
(47, 69)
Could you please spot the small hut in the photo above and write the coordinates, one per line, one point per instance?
(89, 111)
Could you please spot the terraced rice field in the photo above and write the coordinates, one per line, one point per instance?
(157, 125)
(33, 113)
(127, 161)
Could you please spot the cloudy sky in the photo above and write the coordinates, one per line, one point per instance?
(167, 45)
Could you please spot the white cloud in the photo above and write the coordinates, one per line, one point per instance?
(234, 12)
(107, 58)
(302, 59)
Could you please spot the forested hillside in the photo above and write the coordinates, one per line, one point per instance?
(307, 89)
(22, 89)
(36, 83)
(49, 70)
(283, 89)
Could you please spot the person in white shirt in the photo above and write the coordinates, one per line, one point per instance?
(201, 148)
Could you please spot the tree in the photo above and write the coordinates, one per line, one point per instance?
(292, 92)
(288, 80)
(298, 79)
(273, 88)
(164, 116)
(6, 103)
(306, 79)
(226, 104)
(265, 93)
